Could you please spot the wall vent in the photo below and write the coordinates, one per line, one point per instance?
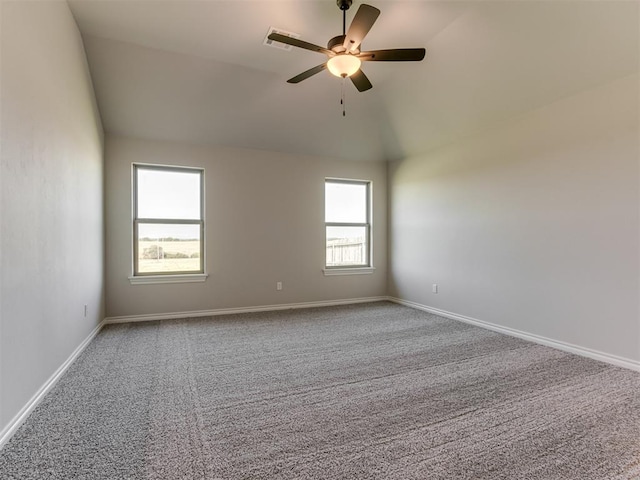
(278, 45)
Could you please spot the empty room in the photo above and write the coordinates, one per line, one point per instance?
(319, 239)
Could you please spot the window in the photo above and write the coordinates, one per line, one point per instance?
(168, 221)
(347, 224)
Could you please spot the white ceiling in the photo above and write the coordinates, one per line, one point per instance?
(197, 71)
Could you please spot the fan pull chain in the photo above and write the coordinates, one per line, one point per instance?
(342, 102)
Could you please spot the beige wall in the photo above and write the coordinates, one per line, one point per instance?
(51, 225)
(264, 224)
(533, 225)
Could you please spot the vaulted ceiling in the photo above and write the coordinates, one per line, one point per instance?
(198, 72)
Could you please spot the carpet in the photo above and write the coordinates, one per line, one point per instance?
(370, 391)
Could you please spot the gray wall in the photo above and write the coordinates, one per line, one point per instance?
(51, 228)
(533, 225)
(264, 217)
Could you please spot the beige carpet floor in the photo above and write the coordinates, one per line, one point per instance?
(373, 391)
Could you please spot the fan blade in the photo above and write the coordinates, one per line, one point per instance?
(361, 24)
(277, 37)
(361, 81)
(394, 55)
(307, 74)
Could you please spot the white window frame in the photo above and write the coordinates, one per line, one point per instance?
(166, 277)
(352, 269)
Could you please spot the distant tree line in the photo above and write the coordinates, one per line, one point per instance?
(167, 239)
(154, 252)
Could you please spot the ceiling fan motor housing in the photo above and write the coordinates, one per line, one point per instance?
(336, 44)
(344, 4)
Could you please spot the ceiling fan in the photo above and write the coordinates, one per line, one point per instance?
(344, 56)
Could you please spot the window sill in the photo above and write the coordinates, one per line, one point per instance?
(155, 279)
(328, 272)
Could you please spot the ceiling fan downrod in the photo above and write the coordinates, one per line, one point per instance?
(344, 6)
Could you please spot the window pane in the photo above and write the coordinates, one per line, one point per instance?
(346, 246)
(168, 194)
(168, 248)
(345, 202)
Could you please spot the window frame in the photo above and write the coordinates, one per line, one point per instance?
(351, 269)
(163, 277)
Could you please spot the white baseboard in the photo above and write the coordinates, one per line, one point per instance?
(7, 432)
(567, 347)
(227, 311)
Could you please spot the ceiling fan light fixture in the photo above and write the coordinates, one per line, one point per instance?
(344, 52)
(343, 65)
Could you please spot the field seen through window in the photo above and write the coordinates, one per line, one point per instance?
(168, 255)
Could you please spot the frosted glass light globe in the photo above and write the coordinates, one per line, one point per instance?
(343, 65)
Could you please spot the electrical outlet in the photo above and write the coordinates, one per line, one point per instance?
(434, 288)
(279, 286)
